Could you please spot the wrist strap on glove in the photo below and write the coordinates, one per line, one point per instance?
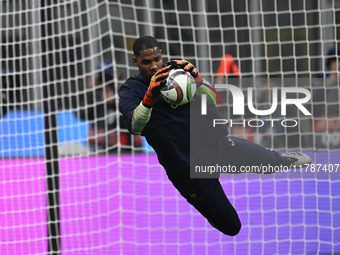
(141, 116)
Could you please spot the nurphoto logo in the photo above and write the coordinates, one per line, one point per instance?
(239, 105)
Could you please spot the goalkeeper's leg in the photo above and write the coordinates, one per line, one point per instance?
(240, 153)
(208, 197)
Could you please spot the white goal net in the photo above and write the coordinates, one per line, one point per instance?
(74, 181)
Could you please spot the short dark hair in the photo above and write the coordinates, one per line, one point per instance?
(144, 43)
(332, 55)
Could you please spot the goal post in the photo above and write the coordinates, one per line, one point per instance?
(62, 135)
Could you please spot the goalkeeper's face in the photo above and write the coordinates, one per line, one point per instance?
(149, 62)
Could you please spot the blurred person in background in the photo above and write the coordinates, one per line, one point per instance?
(229, 73)
(13, 94)
(4, 94)
(227, 69)
(326, 107)
(271, 135)
(99, 107)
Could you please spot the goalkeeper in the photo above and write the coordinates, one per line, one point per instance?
(168, 131)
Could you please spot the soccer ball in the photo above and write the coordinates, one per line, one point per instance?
(179, 88)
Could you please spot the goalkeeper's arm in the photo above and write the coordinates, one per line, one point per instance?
(141, 115)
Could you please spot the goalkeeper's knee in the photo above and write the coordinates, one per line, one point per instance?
(230, 227)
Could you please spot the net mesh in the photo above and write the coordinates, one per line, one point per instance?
(114, 198)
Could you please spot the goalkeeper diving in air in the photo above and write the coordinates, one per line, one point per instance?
(181, 140)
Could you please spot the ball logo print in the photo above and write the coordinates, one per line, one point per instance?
(179, 89)
(179, 93)
(204, 99)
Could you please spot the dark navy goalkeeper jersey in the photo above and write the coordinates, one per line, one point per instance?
(169, 130)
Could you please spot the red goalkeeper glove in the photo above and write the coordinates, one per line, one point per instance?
(156, 82)
(187, 66)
